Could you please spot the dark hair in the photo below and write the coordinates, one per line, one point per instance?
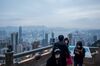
(66, 39)
(80, 44)
(61, 37)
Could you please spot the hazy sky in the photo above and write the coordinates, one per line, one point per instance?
(51, 13)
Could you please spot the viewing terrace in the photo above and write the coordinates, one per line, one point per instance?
(39, 56)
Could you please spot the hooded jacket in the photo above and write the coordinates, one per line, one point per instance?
(64, 51)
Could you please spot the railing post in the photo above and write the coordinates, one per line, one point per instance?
(9, 59)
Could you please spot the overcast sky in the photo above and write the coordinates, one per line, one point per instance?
(51, 13)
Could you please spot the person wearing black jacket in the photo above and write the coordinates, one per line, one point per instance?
(55, 60)
(79, 53)
(64, 49)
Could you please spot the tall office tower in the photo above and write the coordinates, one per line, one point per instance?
(43, 42)
(52, 39)
(94, 38)
(20, 35)
(14, 41)
(70, 38)
(3, 34)
(46, 38)
(52, 35)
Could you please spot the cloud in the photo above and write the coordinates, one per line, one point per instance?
(73, 13)
(52, 13)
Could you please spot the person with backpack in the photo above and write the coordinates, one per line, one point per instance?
(55, 60)
(79, 53)
(64, 49)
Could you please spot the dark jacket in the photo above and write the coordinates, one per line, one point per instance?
(64, 51)
(52, 62)
(78, 58)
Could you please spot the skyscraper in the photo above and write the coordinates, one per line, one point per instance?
(46, 38)
(94, 38)
(3, 34)
(20, 34)
(70, 38)
(52, 39)
(14, 41)
(52, 35)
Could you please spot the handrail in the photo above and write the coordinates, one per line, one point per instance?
(95, 53)
(9, 56)
(31, 52)
(2, 57)
(94, 47)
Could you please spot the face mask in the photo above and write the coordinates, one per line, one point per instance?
(78, 46)
(66, 42)
(57, 56)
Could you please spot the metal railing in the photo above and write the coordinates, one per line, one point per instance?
(9, 56)
(31, 52)
(2, 57)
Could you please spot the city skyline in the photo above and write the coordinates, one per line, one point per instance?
(81, 14)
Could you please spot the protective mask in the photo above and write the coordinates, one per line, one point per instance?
(78, 46)
(66, 42)
(57, 56)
